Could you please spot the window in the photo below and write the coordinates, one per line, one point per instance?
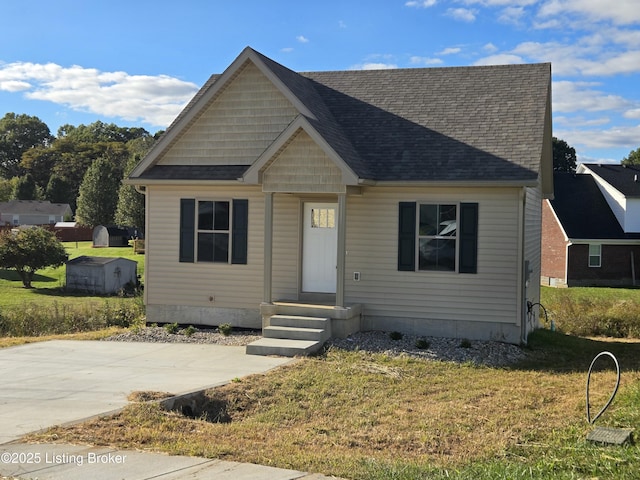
(595, 255)
(438, 237)
(323, 218)
(213, 231)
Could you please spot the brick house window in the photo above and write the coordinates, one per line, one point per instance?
(595, 255)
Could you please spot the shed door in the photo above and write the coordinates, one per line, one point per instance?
(319, 247)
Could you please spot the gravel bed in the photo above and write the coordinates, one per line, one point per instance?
(445, 349)
(488, 353)
(161, 335)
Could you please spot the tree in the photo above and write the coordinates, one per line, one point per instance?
(98, 194)
(564, 156)
(633, 158)
(130, 210)
(19, 133)
(25, 188)
(59, 190)
(30, 250)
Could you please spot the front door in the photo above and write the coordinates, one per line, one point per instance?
(319, 247)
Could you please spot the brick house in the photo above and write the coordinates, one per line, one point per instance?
(591, 229)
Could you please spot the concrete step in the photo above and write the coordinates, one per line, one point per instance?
(299, 321)
(295, 333)
(282, 347)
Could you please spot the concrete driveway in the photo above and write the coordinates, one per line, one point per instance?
(52, 383)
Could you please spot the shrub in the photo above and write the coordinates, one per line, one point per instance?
(190, 330)
(395, 336)
(465, 343)
(225, 329)
(171, 328)
(422, 343)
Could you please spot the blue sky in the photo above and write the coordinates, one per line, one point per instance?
(138, 62)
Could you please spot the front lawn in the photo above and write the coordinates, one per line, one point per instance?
(363, 416)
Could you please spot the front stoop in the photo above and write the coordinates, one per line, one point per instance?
(291, 335)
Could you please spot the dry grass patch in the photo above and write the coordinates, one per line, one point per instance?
(358, 415)
(94, 335)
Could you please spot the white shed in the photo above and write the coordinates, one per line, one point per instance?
(102, 275)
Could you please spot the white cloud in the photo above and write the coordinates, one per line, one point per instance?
(620, 12)
(421, 3)
(450, 51)
(155, 100)
(462, 14)
(499, 59)
(373, 66)
(490, 48)
(614, 137)
(581, 96)
(302, 39)
(425, 61)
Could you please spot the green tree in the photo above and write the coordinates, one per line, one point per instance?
(98, 194)
(564, 156)
(7, 188)
(29, 250)
(130, 209)
(19, 133)
(633, 158)
(25, 188)
(59, 190)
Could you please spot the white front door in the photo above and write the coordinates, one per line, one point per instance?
(319, 247)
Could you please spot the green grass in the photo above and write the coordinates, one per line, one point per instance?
(611, 312)
(49, 282)
(363, 416)
(48, 309)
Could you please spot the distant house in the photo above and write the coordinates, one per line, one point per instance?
(33, 212)
(405, 200)
(591, 229)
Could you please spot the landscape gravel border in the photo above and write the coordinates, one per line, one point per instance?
(489, 353)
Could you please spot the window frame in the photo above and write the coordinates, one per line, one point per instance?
(213, 231)
(597, 255)
(467, 217)
(437, 236)
(237, 232)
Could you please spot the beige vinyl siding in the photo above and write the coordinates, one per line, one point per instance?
(489, 296)
(169, 282)
(243, 120)
(302, 166)
(286, 247)
(533, 241)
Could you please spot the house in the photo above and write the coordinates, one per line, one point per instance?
(100, 275)
(591, 228)
(33, 212)
(405, 200)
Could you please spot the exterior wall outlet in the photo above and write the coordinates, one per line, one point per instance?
(356, 276)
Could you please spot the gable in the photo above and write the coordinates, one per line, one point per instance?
(302, 166)
(236, 127)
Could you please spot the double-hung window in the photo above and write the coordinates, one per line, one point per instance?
(213, 231)
(438, 237)
(437, 228)
(595, 255)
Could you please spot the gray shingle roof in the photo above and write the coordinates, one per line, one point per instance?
(624, 179)
(33, 207)
(441, 124)
(582, 210)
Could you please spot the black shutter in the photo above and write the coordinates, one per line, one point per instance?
(407, 236)
(468, 235)
(187, 229)
(240, 232)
